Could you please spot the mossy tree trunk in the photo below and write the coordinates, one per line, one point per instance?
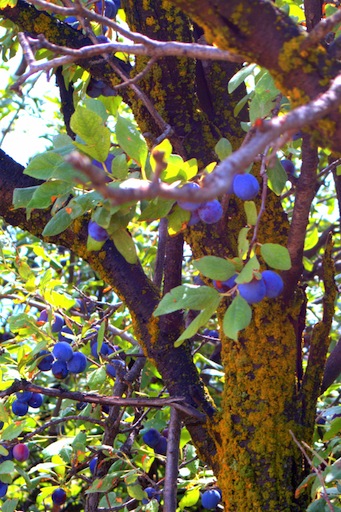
(248, 443)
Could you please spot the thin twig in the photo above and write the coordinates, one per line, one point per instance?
(317, 471)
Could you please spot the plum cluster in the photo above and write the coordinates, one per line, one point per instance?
(211, 498)
(98, 88)
(155, 440)
(24, 400)
(268, 285)
(208, 212)
(62, 361)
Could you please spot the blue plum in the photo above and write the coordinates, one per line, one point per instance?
(65, 330)
(161, 446)
(62, 351)
(210, 499)
(97, 232)
(58, 323)
(273, 283)
(225, 286)
(24, 396)
(288, 167)
(46, 362)
(253, 292)
(59, 496)
(3, 489)
(210, 212)
(188, 205)
(19, 408)
(36, 400)
(59, 369)
(151, 437)
(77, 363)
(151, 493)
(93, 465)
(245, 186)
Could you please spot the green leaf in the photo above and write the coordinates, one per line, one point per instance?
(46, 194)
(223, 148)
(251, 212)
(59, 223)
(246, 275)
(90, 127)
(276, 256)
(190, 498)
(119, 167)
(237, 316)
(13, 431)
(7, 467)
(156, 209)
(136, 491)
(277, 177)
(22, 196)
(42, 166)
(239, 77)
(243, 242)
(177, 220)
(131, 141)
(215, 267)
(96, 106)
(198, 322)
(190, 169)
(125, 245)
(187, 296)
(9, 505)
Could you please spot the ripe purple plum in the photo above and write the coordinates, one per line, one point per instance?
(61, 335)
(253, 292)
(3, 489)
(161, 446)
(114, 366)
(151, 437)
(210, 212)
(97, 232)
(21, 452)
(77, 363)
(245, 186)
(35, 401)
(23, 396)
(273, 283)
(59, 496)
(288, 167)
(93, 465)
(58, 323)
(210, 499)
(188, 205)
(46, 362)
(225, 286)
(59, 369)
(43, 317)
(19, 408)
(62, 351)
(151, 493)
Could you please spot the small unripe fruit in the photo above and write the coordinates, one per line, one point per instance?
(245, 186)
(21, 452)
